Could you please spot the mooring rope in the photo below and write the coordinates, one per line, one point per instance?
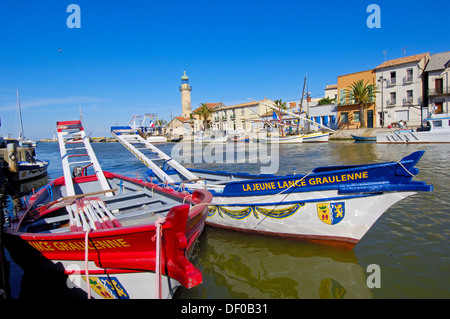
(398, 162)
(158, 224)
(86, 259)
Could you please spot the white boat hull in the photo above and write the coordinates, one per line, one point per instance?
(304, 138)
(316, 137)
(28, 171)
(223, 139)
(117, 285)
(156, 139)
(283, 140)
(299, 217)
(410, 136)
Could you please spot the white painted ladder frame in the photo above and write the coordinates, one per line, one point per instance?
(73, 132)
(126, 137)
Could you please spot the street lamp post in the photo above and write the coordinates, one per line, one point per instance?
(381, 79)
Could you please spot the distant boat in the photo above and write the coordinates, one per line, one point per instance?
(29, 167)
(23, 141)
(152, 131)
(203, 137)
(308, 137)
(290, 139)
(436, 131)
(32, 169)
(300, 138)
(157, 138)
(316, 137)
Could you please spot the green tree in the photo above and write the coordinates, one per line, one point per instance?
(204, 112)
(160, 122)
(326, 101)
(362, 94)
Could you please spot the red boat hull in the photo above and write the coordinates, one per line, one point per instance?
(127, 249)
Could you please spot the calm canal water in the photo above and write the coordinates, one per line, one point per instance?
(409, 242)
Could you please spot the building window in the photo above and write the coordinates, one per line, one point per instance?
(351, 99)
(393, 99)
(409, 75)
(393, 79)
(437, 123)
(409, 97)
(342, 96)
(439, 85)
(372, 96)
(356, 116)
(344, 117)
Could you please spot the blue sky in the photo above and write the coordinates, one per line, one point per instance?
(128, 56)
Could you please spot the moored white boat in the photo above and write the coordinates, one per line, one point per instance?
(33, 169)
(28, 166)
(203, 137)
(313, 137)
(156, 138)
(290, 139)
(316, 137)
(114, 237)
(437, 130)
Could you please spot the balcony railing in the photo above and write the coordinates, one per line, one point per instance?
(391, 82)
(439, 91)
(392, 102)
(407, 79)
(408, 100)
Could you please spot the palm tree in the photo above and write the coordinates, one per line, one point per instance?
(204, 112)
(281, 106)
(362, 94)
(160, 123)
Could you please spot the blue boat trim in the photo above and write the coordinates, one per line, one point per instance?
(346, 179)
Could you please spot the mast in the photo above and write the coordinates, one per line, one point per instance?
(20, 116)
(301, 104)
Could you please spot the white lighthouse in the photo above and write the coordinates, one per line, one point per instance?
(185, 89)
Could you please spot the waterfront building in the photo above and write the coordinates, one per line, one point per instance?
(321, 114)
(179, 125)
(331, 91)
(400, 87)
(347, 110)
(437, 79)
(198, 124)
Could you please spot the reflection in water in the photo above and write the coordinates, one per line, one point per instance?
(251, 266)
